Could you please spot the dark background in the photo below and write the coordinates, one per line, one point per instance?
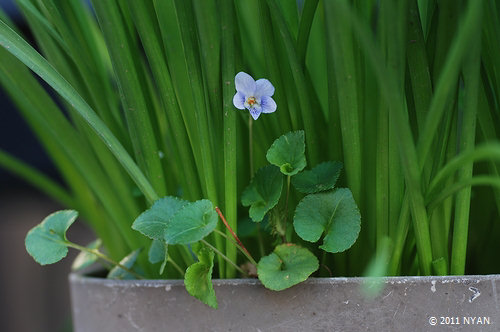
(32, 297)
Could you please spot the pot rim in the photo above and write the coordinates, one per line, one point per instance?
(82, 277)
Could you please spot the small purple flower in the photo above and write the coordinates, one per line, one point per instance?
(253, 95)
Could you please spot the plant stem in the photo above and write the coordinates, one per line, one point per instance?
(103, 257)
(286, 207)
(223, 256)
(176, 266)
(250, 151)
(240, 244)
(241, 249)
(260, 242)
(250, 143)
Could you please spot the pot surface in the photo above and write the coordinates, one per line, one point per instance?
(468, 303)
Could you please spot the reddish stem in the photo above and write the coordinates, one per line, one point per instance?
(231, 231)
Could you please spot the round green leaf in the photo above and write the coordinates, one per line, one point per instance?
(85, 258)
(286, 266)
(263, 192)
(158, 252)
(153, 222)
(198, 278)
(191, 223)
(129, 261)
(46, 242)
(333, 213)
(288, 153)
(321, 178)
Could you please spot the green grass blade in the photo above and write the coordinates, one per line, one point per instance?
(124, 56)
(286, 117)
(418, 65)
(341, 44)
(306, 21)
(209, 36)
(487, 129)
(446, 83)
(456, 188)
(35, 178)
(71, 20)
(310, 116)
(87, 183)
(182, 53)
(24, 52)
(28, 6)
(485, 151)
(467, 135)
(230, 127)
(81, 68)
(409, 162)
(173, 43)
(151, 41)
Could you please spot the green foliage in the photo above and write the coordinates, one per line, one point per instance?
(158, 252)
(198, 277)
(286, 266)
(47, 242)
(288, 153)
(192, 223)
(320, 178)
(263, 192)
(154, 221)
(333, 214)
(404, 93)
(176, 221)
(85, 258)
(128, 262)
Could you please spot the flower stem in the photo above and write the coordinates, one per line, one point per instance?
(286, 207)
(240, 244)
(223, 256)
(250, 146)
(240, 248)
(176, 266)
(103, 257)
(250, 143)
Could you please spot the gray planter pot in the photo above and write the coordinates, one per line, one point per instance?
(469, 303)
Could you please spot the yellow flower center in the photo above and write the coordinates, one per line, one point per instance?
(251, 101)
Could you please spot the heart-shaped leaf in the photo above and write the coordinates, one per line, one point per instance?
(158, 252)
(263, 192)
(198, 277)
(320, 178)
(288, 153)
(176, 221)
(46, 242)
(333, 213)
(191, 223)
(153, 222)
(286, 266)
(129, 261)
(85, 258)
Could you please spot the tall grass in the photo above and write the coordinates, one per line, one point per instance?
(404, 93)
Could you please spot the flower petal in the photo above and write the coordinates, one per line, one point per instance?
(268, 104)
(239, 100)
(254, 113)
(244, 83)
(263, 88)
